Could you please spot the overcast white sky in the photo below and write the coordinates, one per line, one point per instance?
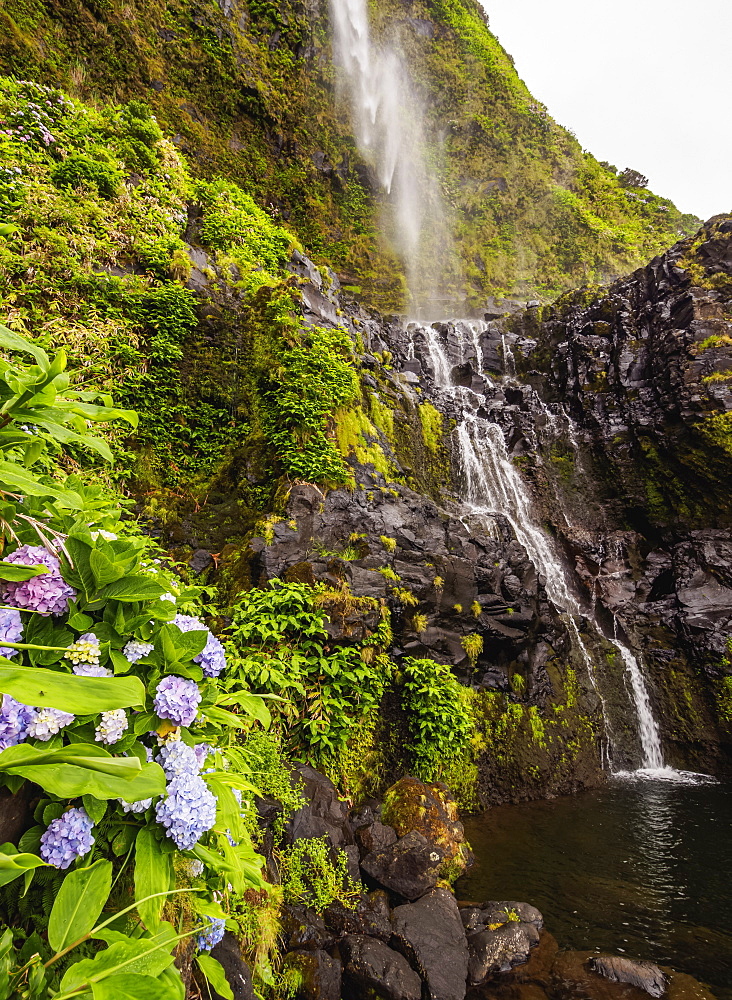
(642, 83)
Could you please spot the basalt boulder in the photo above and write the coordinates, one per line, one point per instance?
(373, 971)
(408, 868)
(431, 935)
(645, 975)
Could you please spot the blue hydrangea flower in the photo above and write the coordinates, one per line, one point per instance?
(48, 594)
(14, 720)
(213, 932)
(91, 670)
(136, 649)
(212, 658)
(187, 811)
(177, 698)
(11, 629)
(135, 807)
(67, 838)
(46, 722)
(112, 727)
(178, 758)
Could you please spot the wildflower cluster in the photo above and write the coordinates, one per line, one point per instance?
(46, 594)
(67, 838)
(35, 119)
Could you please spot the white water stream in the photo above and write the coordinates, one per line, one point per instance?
(494, 486)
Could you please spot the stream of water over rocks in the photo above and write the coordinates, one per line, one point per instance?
(639, 868)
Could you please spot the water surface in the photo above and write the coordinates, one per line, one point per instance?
(640, 867)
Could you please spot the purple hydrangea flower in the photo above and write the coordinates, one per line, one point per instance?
(178, 758)
(136, 649)
(212, 658)
(14, 720)
(47, 594)
(213, 932)
(112, 726)
(91, 670)
(67, 838)
(46, 722)
(11, 629)
(177, 699)
(202, 750)
(187, 811)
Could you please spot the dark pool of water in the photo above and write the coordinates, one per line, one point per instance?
(640, 867)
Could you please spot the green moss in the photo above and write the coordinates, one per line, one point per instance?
(432, 422)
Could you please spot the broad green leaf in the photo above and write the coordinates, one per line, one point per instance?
(130, 986)
(132, 588)
(15, 572)
(214, 972)
(10, 341)
(153, 874)
(250, 704)
(84, 769)
(78, 904)
(146, 956)
(223, 718)
(78, 695)
(13, 865)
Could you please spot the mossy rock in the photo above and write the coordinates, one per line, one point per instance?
(430, 809)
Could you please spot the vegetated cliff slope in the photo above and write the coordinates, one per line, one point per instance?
(247, 89)
(286, 430)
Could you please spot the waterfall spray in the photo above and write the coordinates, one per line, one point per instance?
(387, 119)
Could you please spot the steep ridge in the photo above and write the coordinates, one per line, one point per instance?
(247, 90)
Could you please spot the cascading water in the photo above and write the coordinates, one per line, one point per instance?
(494, 485)
(388, 123)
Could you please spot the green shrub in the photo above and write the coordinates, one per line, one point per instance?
(96, 169)
(316, 875)
(439, 722)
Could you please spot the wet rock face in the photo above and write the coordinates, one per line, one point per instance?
(371, 969)
(645, 975)
(408, 868)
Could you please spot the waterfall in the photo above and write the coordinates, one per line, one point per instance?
(387, 118)
(494, 485)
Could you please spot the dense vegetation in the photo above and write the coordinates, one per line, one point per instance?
(246, 89)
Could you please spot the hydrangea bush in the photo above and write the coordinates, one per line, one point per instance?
(111, 704)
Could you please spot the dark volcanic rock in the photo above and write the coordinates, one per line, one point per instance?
(410, 867)
(375, 837)
(304, 929)
(371, 916)
(431, 935)
(645, 975)
(324, 813)
(476, 918)
(372, 971)
(237, 973)
(320, 975)
(430, 809)
(498, 950)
